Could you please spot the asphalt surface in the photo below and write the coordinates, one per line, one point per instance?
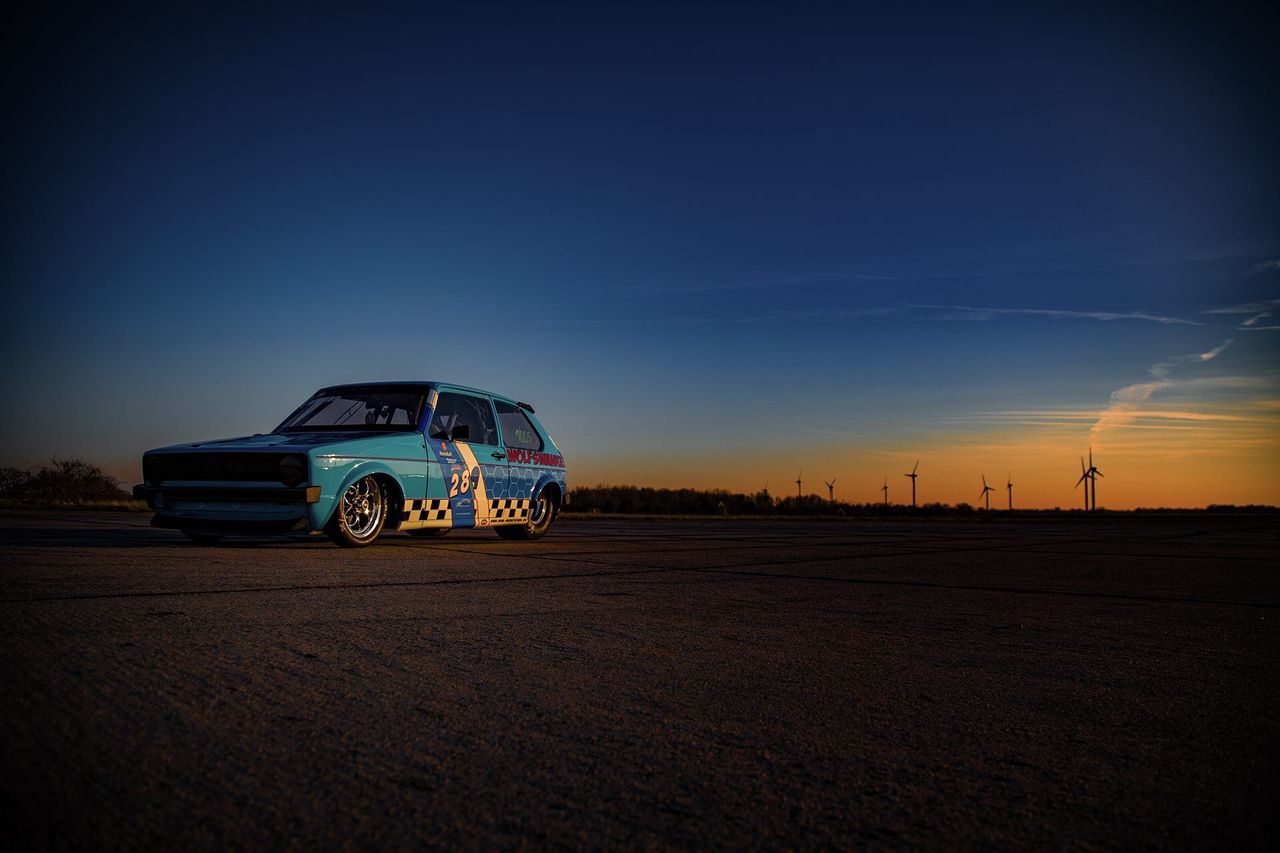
(644, 683)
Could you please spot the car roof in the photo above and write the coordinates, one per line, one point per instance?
(420, 384)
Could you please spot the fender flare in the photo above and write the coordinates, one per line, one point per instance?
(359, 471)
(545, 480)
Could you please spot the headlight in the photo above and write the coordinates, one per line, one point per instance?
(293, 470)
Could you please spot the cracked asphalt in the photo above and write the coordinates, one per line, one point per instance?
(649, 683)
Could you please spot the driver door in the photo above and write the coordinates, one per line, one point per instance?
(464, 434)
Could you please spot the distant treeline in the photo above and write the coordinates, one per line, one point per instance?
(62, 481)
(642, 500)
(648, 501)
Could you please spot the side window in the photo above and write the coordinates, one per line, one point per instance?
(454, 410)
(517, 431)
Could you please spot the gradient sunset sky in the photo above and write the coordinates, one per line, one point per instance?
(714, 245)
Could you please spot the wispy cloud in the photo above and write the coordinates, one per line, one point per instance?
(923, 311)
(972, 312)
(771, 282)
(1246, 308)
(1259, 310)
(1216, 351)
(817, 316)
(908, 271)
(1126, 402)
(1090, 415)
(1226, 253)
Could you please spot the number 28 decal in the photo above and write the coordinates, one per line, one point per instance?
(460, 485)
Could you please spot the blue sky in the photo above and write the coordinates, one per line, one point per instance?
(770, 235)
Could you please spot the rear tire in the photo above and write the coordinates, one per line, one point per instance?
(202, 538)
(360, 514)
(541, 514)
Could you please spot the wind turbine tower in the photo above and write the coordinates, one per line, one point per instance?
(1094, 474)
(1009, 485)
(913, 476)
(1084, 478)
(986, 491)
(799, 477)
(885, 489)
(831, 490)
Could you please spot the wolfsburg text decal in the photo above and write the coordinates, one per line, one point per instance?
(533, 457)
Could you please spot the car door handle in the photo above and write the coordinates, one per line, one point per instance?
(498, 454)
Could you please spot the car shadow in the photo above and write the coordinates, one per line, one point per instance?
(149, 537)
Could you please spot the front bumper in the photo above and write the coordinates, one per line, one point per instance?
(230, 508)
(249, 527)
(158, 496)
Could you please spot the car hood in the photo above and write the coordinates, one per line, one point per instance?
(284, 441)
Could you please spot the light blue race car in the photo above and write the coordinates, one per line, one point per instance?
(354, 460)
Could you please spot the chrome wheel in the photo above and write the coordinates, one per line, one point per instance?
(362, 507)
(541, 509)
(541, 514)
(361, 512)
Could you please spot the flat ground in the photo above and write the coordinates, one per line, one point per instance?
(723, 683)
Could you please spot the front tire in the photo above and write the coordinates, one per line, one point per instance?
(361, 512)
(541, 514)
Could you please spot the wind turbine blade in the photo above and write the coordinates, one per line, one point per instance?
(1083, 477)
(1098, 473)
(914, 467)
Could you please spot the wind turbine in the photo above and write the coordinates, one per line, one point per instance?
(885, 489)
(986, 491)
(1084, 478)
(831, 490)
(1094, 474)
(1009, 485)
(799, 477)
(913, 476)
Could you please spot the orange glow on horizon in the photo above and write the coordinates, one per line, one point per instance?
(1155, 458)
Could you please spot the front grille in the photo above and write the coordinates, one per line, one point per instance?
(241, 467)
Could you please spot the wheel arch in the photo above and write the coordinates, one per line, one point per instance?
(552, 488)
(385, 476)
(395, 499)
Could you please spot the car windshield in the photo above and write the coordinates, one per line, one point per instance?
(358, 409)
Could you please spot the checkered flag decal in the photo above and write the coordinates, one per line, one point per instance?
(509, 508)
(427, 510)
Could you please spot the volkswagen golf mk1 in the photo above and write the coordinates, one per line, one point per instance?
(355, 460)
